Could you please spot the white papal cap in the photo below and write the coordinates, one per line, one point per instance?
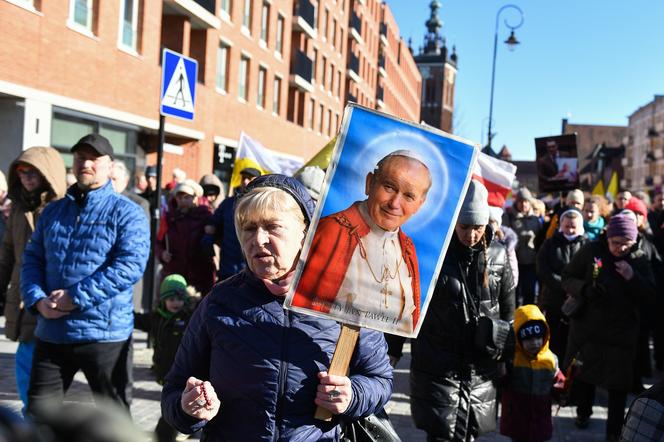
(404, 153)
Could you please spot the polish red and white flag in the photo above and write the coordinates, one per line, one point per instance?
(497, 176)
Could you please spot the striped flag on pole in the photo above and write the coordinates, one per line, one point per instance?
(496, 175)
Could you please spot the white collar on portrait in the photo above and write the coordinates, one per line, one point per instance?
(375, 228)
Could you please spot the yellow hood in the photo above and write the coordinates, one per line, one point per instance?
(522, 315)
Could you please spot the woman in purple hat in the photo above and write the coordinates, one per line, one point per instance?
(610, 278)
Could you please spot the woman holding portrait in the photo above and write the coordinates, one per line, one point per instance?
(249, 370)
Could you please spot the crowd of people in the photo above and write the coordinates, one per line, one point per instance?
(533, 304)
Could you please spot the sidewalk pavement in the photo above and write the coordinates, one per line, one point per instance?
(145, 408)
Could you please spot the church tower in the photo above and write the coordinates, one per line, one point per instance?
(438, 70)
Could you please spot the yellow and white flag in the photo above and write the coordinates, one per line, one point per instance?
(251, 153)
(613, 185)
(599, 188)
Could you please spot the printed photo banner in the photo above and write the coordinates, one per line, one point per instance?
(557, 163)
(378, 238)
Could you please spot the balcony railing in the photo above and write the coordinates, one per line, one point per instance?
(207, 4)
(354, 63)
(202, 13)
(301, 71)
(356, 23)
(304, 11)
(383, 29)
(354, 68)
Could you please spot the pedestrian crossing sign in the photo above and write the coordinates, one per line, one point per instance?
(178, 85)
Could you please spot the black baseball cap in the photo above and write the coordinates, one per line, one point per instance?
(251, 171)
(151, 171)
(98, 143)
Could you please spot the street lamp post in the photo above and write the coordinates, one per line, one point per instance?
(511, 43)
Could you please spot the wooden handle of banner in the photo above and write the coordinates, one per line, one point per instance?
(340, 361)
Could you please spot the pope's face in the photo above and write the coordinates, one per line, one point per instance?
(396, 192)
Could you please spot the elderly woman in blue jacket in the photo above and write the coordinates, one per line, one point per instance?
(249, 370)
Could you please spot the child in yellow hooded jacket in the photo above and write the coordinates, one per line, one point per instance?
(526, 400)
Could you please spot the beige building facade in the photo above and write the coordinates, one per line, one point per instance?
(644, 150)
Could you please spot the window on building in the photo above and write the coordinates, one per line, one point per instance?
(265, 21)
(323, 77)
(329, 122)
(67, 129)
(81, 14)
(338, 91)
(323, 25)
(276, 97)
(246, 15)
(341, 39)
(336, 123)
(243, 91)
(321, 115)
(333, 38)
(225, 7)
(310, 114)
(430, 92)
(129, 24)
(260, 96)
(279, 45)
(313, 65)
(331, 77)
(222, 67)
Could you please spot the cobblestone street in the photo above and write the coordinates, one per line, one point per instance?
(145, 408)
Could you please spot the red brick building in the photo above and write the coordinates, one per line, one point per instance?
(279, 70)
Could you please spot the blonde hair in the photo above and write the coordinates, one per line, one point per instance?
(539, 206)
(266, 203)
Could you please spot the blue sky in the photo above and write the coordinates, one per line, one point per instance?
(592, 61)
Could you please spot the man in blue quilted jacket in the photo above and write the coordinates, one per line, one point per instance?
(87, 251)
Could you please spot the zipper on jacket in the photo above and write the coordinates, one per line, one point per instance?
(283, 371)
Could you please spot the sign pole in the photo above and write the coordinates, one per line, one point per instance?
(177, 99)
(340, 361)
(157, 212)
(154, 224)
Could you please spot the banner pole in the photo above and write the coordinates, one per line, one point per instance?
(340, 361)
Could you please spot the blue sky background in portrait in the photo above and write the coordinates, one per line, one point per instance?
(369, 138)
(594, 61)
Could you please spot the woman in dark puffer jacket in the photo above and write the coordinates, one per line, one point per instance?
(453, 391)
(249, 370)
(611, 277)
(556, 252)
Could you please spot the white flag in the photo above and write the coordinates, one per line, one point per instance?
(251, 153)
